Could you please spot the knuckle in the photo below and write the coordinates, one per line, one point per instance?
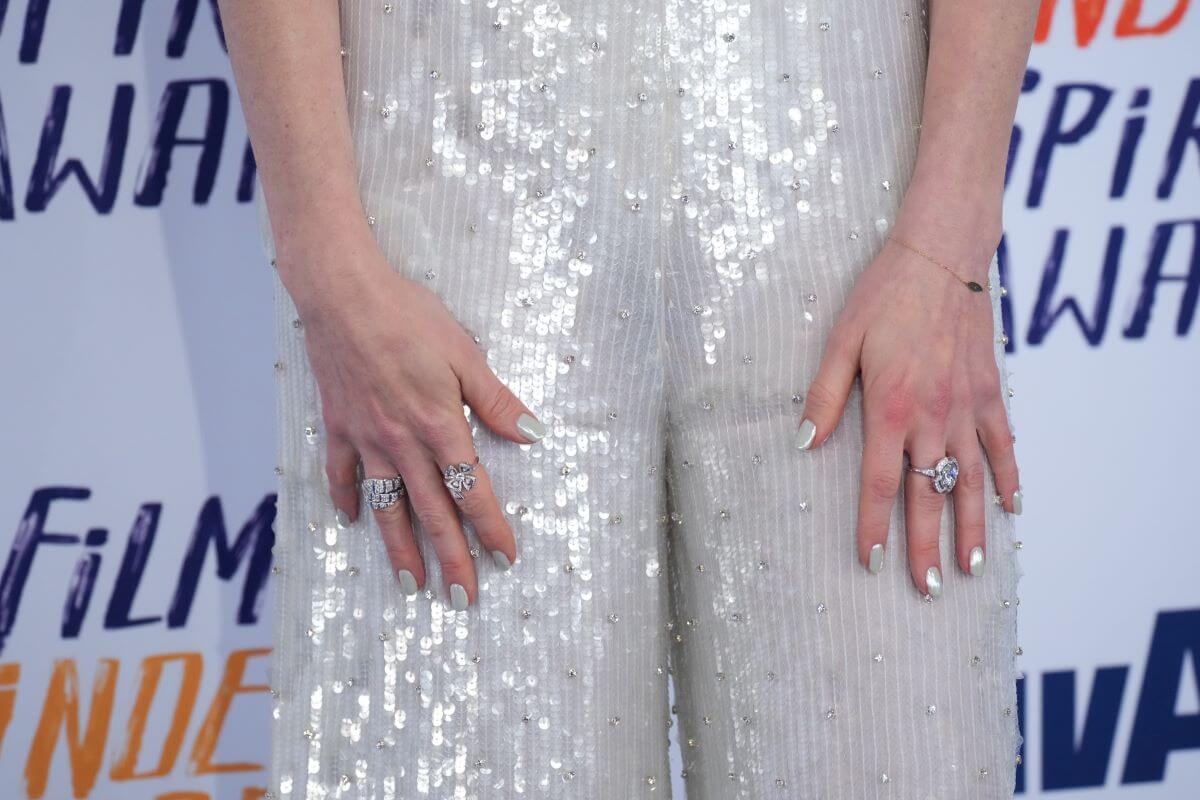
(972, 476)
(987, 386)
(940, 399)
(455, 563)
(492, 527)
(494, 534)
(929, 500)
(897, 404)
(399, 552)
(389, 517)
(999, 444)
(335, 426)
(499, 402)
(971, 531)
(341, 472)
(436, 429)
(819, 397)
(869, 532)
(884, 486)
(462, 351)
(475, 503)
(993, 417)
(1008, 476)
(392, 437)
(994, 408)
(438, 523)
(924, 549)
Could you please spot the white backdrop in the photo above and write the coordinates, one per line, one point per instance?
(138, 434)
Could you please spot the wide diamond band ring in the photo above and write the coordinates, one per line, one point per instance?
(383, 492)
(944, 474)
(460, 478)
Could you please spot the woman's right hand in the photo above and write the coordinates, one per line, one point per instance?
(394, 369)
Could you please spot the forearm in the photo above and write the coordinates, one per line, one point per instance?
(977, 55)
(289, 76)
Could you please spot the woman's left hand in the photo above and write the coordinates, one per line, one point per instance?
(924, 344)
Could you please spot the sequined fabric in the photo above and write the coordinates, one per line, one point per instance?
(649, 214)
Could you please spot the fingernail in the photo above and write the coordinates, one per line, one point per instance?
(806, 434)
(501, 560)
(458, 597)
(875, 562)
(343, 519)
(977, 560)
(933, 580)
(530, 427)
(1017, 498)
(408, 582)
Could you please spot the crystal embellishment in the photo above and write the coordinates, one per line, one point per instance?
(459, 478)
(945, 475)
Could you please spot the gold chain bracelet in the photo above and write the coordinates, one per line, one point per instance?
(974, 286)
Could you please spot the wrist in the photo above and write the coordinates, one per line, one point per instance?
(324, 264)
(958, 228)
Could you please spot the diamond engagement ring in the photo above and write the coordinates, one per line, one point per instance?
(944, 474)
(459, 478)
(383, 492)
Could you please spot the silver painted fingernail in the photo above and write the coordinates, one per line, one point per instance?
(408, 582)
(806, 434)
(875, 561)
(976, 560)
(530, 427)
(343, 519)
(501, 560)
(458, 597)
(1017, 498)
(933, 580)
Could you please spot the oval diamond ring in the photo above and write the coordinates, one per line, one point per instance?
(944, 474)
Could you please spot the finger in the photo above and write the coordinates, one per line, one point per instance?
(997, 439)
(496, 406)
(923, 513)
(395, 527)
(882, 464)
(431, 503)
(969, 529)
(341, 467)
(826, 397)
(478, 504)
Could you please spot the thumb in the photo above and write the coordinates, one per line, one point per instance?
(825, 400)
(496, 405)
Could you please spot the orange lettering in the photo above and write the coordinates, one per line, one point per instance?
(1127, 23)
(62, 708)
(1045, 16)
(10, 675)
(253, 793)
(210, 731)
(151, 673)
(1088, 14)
(183, 796)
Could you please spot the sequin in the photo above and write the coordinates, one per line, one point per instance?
(648, 223)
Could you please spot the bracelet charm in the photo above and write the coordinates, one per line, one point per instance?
(974, 286)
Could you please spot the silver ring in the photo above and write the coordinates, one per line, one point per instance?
(460, 478)
(383, 492)
(944, 474)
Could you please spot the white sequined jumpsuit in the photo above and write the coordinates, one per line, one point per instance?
(649, 213)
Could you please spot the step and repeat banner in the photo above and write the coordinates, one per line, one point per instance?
(138, 410)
